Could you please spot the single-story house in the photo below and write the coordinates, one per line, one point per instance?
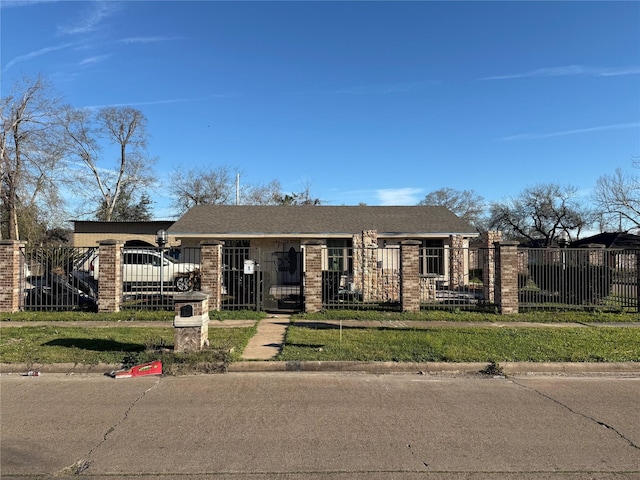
(274, 237)
(610, 240)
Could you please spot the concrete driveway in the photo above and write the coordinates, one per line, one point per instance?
(320, 426)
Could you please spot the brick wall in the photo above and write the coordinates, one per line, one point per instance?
(211, 271)
(410, 283)
(110, 291)
(11, 268)
(313, 277)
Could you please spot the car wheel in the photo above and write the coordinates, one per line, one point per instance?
(182, 284)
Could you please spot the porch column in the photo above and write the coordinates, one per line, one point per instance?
(313, 277)
(507, 277)
(211, 265)
(489, 239)
(110, 275)
(456, 262)
(365, 264)
(12, 268)
(410, 275)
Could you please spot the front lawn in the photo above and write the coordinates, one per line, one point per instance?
(89, 346)
(600, 344)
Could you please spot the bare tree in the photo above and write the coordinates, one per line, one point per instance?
(466, 204)
(618, 198)
(202, 187)
(262, 194)
(541, 212)
(123, 128)
(31, 149)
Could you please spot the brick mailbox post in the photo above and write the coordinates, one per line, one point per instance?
(191, 322)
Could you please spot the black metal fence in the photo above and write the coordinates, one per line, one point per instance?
(151, 276)
(578, 278)
(58, 279)
(454, 279)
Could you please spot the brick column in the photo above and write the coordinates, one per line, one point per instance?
(313, 277)
(11, 272)
(410, 275)
(110, 275)
(211, 266)
(489, 239)
(456, 262)
(507, 277)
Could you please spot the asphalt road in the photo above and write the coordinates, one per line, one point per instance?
(320, 426)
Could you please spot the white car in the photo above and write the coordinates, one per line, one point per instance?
(143, 268)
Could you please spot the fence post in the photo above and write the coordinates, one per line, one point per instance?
(489, 239)
(211, 265)
(11, 266)
(507, 277)
(365, 263)
(313, 277)
(410, 275)
(110, 275)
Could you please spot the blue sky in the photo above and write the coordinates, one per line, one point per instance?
(375, 102)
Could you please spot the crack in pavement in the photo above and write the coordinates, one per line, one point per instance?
(84, 463)
(575, 412)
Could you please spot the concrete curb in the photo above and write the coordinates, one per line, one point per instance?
(380, 368)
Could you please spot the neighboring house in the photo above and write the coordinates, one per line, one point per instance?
(610, 240)
(135, 234)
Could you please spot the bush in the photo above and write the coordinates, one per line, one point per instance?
(574, 284)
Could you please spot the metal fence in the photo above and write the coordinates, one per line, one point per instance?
(58, 279)
(578, 278)
(454, 278)
(151, 276)
(361, 278)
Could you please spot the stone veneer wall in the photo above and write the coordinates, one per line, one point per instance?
(110, 274)
(456, 262)
(489, 239)
(365, 264)
(11, 266)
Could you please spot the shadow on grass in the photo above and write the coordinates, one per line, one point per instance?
(97, 345)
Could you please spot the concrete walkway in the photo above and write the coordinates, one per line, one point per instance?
(267, 342)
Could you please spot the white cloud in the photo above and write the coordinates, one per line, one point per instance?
(569, 70)
(91, 19)
(534, 136)
(399, 196)
(36, 53)
(143, 40)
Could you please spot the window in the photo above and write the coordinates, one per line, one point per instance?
(338, 255)
(432, 257)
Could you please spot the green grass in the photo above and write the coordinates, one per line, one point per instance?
(483, 344)
(89, 346)
(123, 316)
(466, 316)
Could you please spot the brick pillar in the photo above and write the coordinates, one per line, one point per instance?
(456, 262)
(211, 266)
(110, 275)
(507, 277)
(410, 275)
(11, 272)
(313, 277)
(489, 239)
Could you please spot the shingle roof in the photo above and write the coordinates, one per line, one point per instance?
(211, 220)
